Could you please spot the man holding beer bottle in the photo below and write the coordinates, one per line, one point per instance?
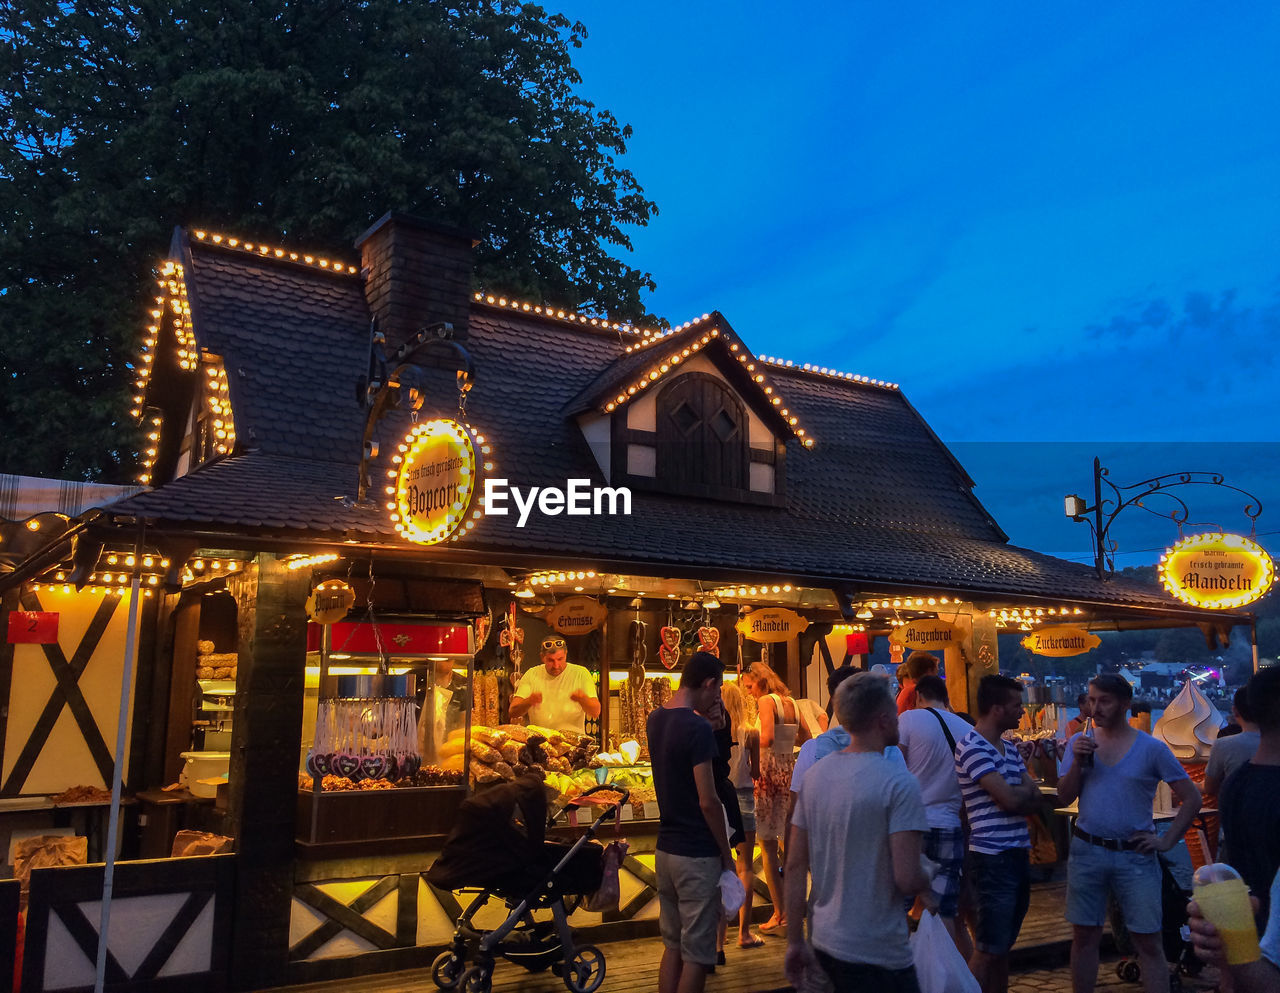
(1114, 843)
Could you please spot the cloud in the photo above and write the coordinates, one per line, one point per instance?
(1201, 369)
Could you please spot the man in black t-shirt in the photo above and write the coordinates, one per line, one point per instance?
(693, 846)
(1250, 814)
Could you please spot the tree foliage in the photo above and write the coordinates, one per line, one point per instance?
(296, 123)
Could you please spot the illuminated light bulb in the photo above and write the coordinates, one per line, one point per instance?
(112, 559)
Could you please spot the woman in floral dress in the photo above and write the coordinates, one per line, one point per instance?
(780, 732)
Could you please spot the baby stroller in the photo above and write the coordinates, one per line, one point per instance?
(499, 846)
(1174, 933)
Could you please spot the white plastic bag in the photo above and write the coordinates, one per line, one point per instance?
(939, 966)
(731, 892)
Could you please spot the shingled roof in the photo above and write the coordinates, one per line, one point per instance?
(878, 502)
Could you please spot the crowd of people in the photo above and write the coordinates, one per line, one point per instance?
(901, 807)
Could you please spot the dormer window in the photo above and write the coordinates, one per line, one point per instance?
(702, 436)
(691, 414)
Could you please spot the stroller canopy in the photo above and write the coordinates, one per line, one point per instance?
(497, 839)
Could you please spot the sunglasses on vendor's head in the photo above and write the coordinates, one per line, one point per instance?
(552, 644)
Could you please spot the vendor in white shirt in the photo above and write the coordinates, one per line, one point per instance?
(556, 694)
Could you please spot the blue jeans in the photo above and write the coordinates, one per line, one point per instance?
(1133, 877)
(1002, 892)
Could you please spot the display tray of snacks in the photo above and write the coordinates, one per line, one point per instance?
(510, 750)
(638, 779)
(373, 809)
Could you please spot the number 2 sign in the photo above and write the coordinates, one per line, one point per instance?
(33, 627)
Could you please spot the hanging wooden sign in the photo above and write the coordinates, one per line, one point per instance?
(925, 636)
(1060, 641)
(1217, 571)
(771, 624)
(330, 601)
(577, 615)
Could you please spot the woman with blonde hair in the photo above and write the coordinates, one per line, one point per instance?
(781, 729)
(744, 766)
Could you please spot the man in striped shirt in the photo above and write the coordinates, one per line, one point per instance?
(998, 794)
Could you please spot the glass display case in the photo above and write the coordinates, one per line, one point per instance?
(385, 746)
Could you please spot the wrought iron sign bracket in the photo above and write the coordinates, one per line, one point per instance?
(380, 391)
(1105, 511)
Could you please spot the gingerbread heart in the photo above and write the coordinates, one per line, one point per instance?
(313, 768)
(373, 766)
(322, 761)
(671, 637)
(709, 639)
(347, 765)
(669, 656)
(409, 763)
(483, 624)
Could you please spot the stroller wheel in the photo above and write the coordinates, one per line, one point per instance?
(446, 970)
(477, 979)
(585, 971)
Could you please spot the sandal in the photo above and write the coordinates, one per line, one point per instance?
(753, 941)
(769, 926)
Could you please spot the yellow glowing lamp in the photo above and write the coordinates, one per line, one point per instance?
(1217, 571)
(435, 483)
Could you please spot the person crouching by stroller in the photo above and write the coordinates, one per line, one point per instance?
(693, 845)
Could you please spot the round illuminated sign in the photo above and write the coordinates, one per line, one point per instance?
(435, 482)
(1217, 571)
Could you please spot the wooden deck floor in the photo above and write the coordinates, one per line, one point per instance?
(632, 966)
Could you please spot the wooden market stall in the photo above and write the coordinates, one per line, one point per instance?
(349, 529)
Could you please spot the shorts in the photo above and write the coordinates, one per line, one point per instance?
(1133, 877)
(946, 847)
(747, 804)
(1002, 892)
(689, 905)
(861, 977)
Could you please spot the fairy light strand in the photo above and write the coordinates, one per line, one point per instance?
(271, 252)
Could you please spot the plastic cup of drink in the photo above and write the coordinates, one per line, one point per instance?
(1224, 901)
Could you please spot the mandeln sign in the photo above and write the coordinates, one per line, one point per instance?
(1217, 571)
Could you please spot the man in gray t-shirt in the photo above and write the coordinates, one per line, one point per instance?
(1114, 841)
(1230, 753)
(857, 830)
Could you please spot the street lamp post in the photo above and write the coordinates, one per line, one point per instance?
(1105, 511)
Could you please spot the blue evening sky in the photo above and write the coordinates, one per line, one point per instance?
(1057, 227)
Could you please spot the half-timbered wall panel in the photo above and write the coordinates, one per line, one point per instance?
(170, 923)
(64, 698)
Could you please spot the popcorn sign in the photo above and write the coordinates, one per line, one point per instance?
(434, 483)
